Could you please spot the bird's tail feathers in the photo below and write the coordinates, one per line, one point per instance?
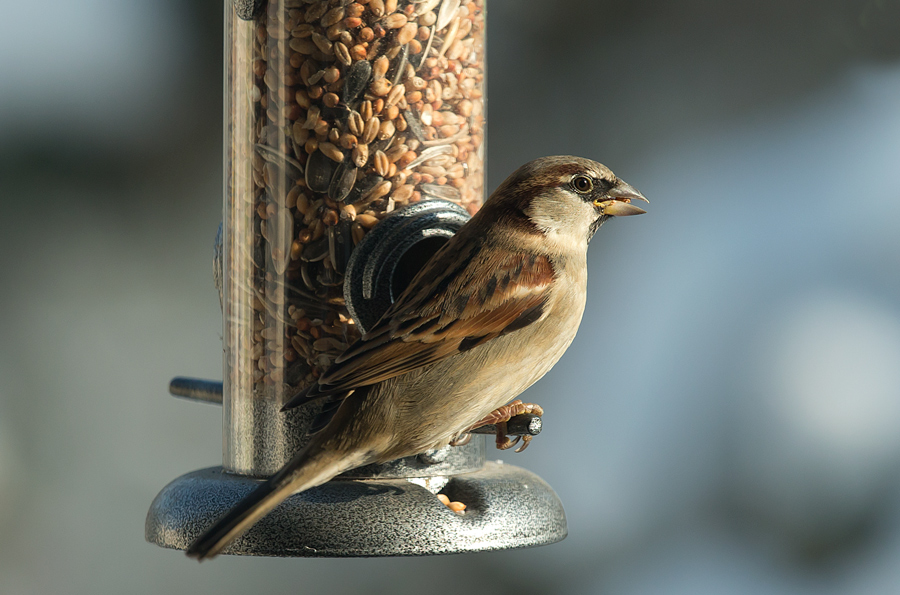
(311, 467)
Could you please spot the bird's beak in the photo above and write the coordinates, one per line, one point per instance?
(617, 201)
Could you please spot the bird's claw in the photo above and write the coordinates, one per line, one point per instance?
(461, 440)
(503, 414)
(504, 442)
(526, 440)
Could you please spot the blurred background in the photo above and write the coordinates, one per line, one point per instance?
(728, 419)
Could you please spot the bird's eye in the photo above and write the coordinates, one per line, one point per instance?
(582, 184)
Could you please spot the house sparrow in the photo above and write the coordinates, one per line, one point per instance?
(489, 314)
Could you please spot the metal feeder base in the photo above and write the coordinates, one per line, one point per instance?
(507, 507)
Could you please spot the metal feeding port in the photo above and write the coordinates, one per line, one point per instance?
(349, 161)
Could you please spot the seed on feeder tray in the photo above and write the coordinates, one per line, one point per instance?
(457, 507)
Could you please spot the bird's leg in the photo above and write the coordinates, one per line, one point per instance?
(503, 414)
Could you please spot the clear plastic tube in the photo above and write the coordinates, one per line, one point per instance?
(337, 113)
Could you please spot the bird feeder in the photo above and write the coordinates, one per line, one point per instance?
(354, 148)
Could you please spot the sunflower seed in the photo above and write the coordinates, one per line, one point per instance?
(319, 172)
(448, 11)
(430, 153)
(449, 38)
(280, 229)
(438, 191)
(291, 167)
(415, 125)
(375, 193)
(361, 188)
(316, 251)
(357, 79)
(342, 182)
(425, 6)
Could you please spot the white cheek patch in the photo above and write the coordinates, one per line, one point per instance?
(564, 218)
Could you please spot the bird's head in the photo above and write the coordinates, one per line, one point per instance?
(565, 198)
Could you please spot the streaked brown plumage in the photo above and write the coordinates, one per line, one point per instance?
(488, 316)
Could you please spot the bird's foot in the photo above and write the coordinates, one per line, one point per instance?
(503, 414)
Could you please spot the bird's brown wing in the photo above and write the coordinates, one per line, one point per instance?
(458, 301)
